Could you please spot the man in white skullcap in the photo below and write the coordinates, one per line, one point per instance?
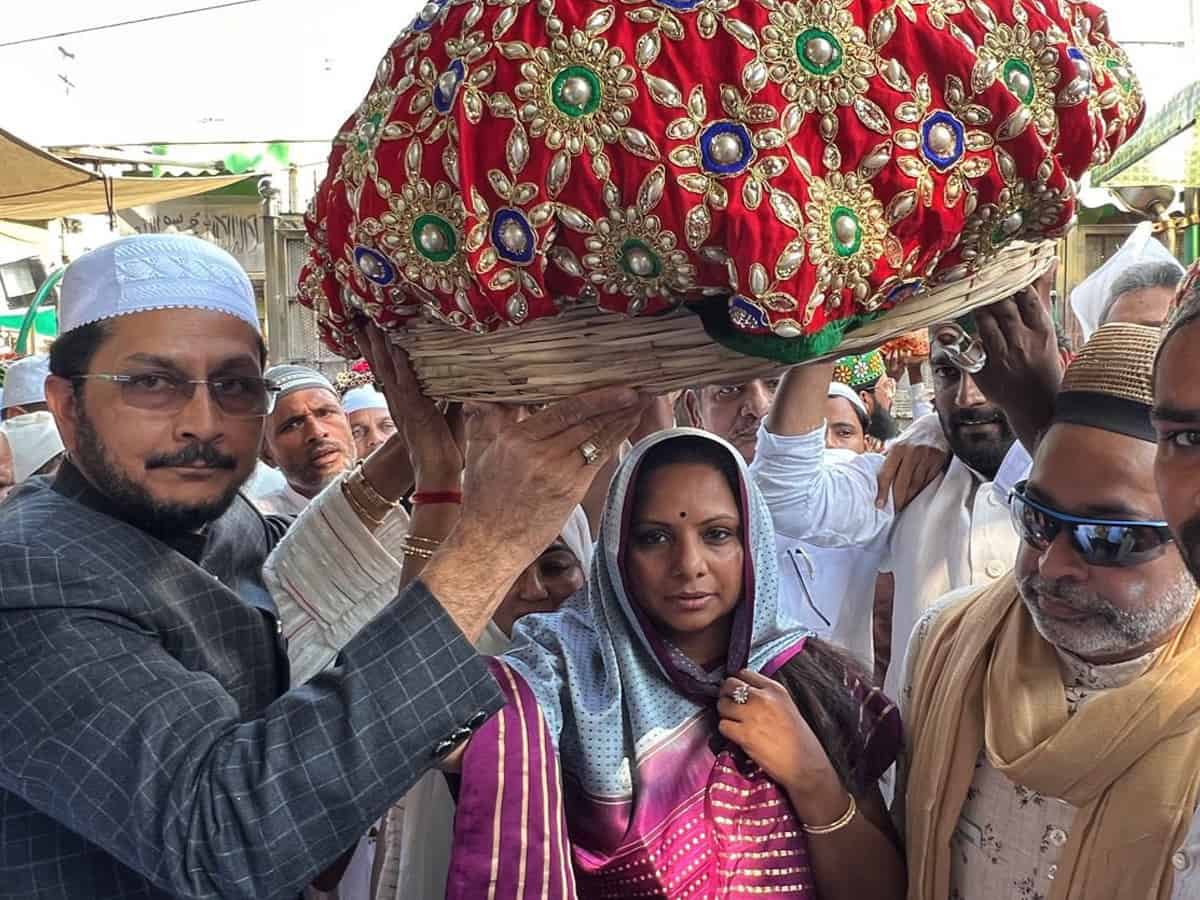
(307, 438)
(152, 747)
(847, 419)
(35, 444)
(370, 419)
(25, 387)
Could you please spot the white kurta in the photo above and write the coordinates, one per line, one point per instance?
(329, 576)
(829, 587)
(286, 501)
(1010, 840)
(328, 560)
(957, 532)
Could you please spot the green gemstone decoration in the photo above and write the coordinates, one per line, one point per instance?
(819, 51)
(639, 260)
(576, 91)
(844, 244)
(434, 238)
(374, 122)
(1020, 67)
(1120, 73)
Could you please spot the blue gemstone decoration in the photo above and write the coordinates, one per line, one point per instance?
(503, 221)
(940, 161)
(424, 22)
(904, 290)
(443, 102)
(680, 5)
(375, 267)
(746, 315)
(716, 130)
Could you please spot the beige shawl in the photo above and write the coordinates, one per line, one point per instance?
(1128, 760)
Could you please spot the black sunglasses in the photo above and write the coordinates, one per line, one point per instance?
(1100, 542)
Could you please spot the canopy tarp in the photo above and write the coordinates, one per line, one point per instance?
(35, 184)
(1148, 151)
(45, 323)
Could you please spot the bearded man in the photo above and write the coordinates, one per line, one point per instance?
(152, 745)
(1054, 718)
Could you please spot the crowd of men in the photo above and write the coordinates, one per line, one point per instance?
(214, 684)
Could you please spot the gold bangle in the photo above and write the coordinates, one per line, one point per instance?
(357, 507)
(372, 495)
(423, 541)
(415, 552)
(841, 823)
(354, 484)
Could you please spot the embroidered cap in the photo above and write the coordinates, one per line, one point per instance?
(1110, 384)
(25, 382)
(360, 398)
(291, 378)
(861, 372)
(154, 271)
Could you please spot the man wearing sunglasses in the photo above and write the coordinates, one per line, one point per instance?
(151, 745)
(1054, 718)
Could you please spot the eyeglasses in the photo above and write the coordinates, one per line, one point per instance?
(238, 396)
(1100, 542)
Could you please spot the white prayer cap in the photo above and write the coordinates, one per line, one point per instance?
(360, 398)
(837, 389)
(154, 271)
(25, 382)
(291, 378)
(33, 440)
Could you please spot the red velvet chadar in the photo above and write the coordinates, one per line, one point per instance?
(796, 164)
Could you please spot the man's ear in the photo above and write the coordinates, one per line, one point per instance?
(64, 405)
(868, 398)
(691, 403)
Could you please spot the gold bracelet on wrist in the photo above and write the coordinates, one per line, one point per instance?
(357, 506)
(377, 512)
(429, 543)
(373, 495)
(415, 552)
(841, 823)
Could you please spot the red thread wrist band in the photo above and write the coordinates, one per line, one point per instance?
(429, 498)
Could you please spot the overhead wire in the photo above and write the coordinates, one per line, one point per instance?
(140, 21)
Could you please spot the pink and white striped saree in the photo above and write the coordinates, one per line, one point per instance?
(605, 775)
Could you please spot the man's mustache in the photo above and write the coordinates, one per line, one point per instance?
(206, 454)
(322, 447)
(1063, 592)
(984, 416)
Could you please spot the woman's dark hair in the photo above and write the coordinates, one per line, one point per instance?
(689, 449)
(829, 687)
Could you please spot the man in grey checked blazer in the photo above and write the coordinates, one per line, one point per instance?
(150, 745)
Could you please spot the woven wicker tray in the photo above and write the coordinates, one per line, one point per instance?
(586, 348)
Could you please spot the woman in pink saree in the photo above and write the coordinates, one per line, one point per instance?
(669, 732)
